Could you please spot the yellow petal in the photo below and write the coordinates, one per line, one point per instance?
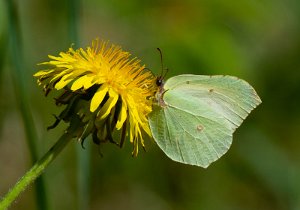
(90, 82)
(141, 137)
(122, 116)
(54, 57)
(146, 128)
(42, 73)
(98, 97)
(58, 75)
(135, 148)
(109, 104)
(82, 82)
(64, 81)
(132, 128)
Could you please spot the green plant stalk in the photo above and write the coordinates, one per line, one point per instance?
(35, 171)
(22, 94)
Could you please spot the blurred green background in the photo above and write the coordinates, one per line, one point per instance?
(256, 40)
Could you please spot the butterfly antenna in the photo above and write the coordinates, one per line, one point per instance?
(162, 64)
(165, 73)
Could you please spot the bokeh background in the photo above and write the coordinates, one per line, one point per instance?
(257, 40)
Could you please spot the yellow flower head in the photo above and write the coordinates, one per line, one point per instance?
(105, 88)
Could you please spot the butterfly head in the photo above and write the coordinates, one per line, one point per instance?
(159, 81)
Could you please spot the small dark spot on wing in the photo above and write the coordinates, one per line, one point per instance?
(211, 90)
(199, 128)
(187, 82)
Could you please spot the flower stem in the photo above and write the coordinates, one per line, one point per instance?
(21, 92)
(35, 171)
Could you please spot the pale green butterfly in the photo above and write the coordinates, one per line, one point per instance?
(196, 115)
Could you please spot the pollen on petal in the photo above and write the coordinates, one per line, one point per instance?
(98, 97)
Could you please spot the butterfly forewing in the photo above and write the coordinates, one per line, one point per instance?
(229, 96)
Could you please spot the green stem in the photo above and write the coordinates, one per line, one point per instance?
(35, 171)
(21, 92)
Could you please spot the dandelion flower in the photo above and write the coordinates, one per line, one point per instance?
(104, 88)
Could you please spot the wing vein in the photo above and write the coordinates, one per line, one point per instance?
(176, 140)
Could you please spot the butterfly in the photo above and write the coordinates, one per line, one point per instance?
(195, 116)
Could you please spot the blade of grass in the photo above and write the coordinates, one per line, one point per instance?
(83, 157)
(21, 90)
(3, 45)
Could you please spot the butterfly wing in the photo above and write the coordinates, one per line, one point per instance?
(199, 115)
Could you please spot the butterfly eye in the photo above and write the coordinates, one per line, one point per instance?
(159, 81)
